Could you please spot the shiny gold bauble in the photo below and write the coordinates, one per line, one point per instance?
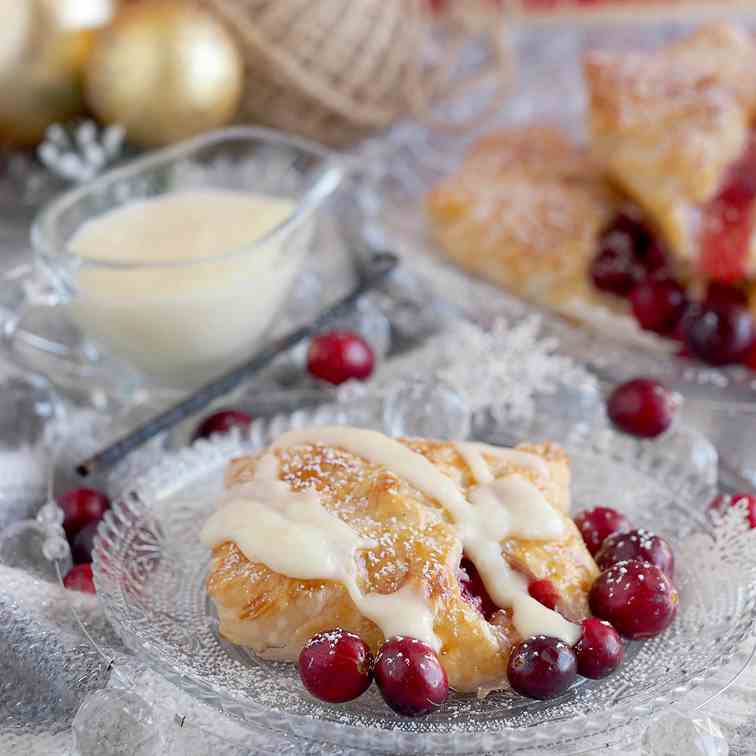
(44, 45)
(166, 70)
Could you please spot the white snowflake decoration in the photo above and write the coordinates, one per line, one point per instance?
(81, 153)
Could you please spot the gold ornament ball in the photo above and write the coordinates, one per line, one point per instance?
(166, 70)
(44, 45)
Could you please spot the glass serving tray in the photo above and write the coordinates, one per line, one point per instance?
(397, 171)
(150, 570)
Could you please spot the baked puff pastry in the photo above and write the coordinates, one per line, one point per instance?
(343, 527)
(673, 129)
(525, 210)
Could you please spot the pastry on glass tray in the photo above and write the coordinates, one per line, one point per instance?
(357, 531)
(671, 244)
(456, 561)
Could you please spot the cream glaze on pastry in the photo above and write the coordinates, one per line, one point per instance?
(347, 527)
(525, 210)
(668, 125)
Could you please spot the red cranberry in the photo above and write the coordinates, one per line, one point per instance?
(541, 667)
(637, 544)
(544, 592)
(338, 356)
(473, 589)
(636, 597)
(615, 269)
(642, 407)
(600, 649)
(719, 334)
(336, 666)
(654, 260)
(79, 578)
(80, 507)
(721, 293)
(598, 523)
(222, 422)
(749, 358)
(658, 304)
(721, 502)
(82, 543)
(410, 676)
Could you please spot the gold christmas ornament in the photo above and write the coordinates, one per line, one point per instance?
(166, 70)
(44, 45)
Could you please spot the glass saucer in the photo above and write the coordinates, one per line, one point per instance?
(150, 571)
(397, 170)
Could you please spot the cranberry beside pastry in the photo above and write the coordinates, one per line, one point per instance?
(344, 550)
(654, 218)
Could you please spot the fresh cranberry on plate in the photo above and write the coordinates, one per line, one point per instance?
(82, 506)
(615, 270)
(719, 334)
(720, 293)
(637, 544)
(600, 650)
(222, 421)
(336, 666)
(339, 356)
(636, 597)
(79, 578)
(473, 589)
(410, 677)
(658, 304)
(721, 502)
(541, 667)
(544, 592)
(597, 524)
(642, 407)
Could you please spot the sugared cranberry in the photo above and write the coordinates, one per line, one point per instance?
(82, 543)
(337, 356)
(655, 260)
(473, 589)
(544, 592)
(642, 407)
(222, 422)
(79, 578)
(598, 523)
(636, 597)
(658, 304)
(720, 503)
(336, 666)
(719, 334)
(410, 676)
(82, 506)
(615, 269)
(720, 293)
(637, 544)
(541, 667)
(600, 649)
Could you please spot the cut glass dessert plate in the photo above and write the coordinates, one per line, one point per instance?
(150, 570)
(399, 169)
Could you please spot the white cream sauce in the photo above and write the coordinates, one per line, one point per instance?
(292, 533)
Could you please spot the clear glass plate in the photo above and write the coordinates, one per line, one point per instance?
(397, 171)
(150, 570)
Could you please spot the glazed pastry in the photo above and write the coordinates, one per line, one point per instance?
(672, 128)
(525, 210)
(342, 527)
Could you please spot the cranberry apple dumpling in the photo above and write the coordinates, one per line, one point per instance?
(673, 129)
(346, 528)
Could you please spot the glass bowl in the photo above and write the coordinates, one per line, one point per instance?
(150, 571)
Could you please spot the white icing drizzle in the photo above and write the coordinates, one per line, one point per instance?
(292, 533)
(496, 509)
(472, 453)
